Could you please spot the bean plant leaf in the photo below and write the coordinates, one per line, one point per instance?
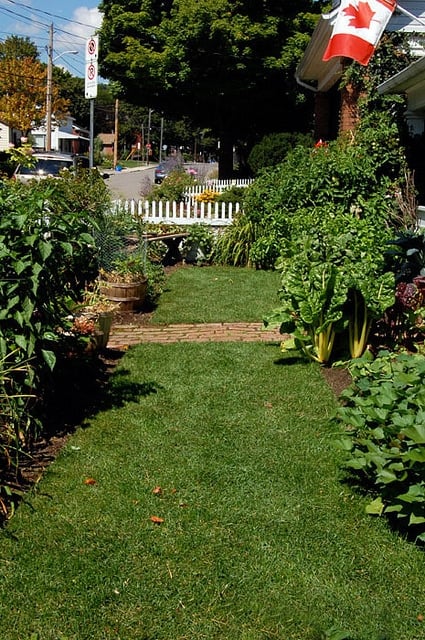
(375, 508)
(416, 433)
(49, 358)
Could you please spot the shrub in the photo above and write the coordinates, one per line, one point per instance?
(47, 255)
(173, 187)
(273, 148)
(232, 194)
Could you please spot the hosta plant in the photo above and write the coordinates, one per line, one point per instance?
(383, 417)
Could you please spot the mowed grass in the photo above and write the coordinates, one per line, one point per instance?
(218, 294)
(229, 448)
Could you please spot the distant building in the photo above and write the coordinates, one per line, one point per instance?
(66, 137)
(108, 142)
(8, 136)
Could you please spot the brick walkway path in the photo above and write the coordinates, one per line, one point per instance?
(126, 335)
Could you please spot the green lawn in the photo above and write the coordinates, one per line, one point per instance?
(218, 294)
(230, 446)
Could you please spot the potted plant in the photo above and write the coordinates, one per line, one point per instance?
(198, 245)
(97, 311)
(125, 283)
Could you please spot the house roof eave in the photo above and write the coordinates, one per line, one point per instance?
(404, 80)
(312, 68)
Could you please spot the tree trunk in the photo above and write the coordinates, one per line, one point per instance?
(225, 165)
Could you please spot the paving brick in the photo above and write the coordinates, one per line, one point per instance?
(126, 335)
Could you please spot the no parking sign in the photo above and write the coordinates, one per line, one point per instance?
(92, 48)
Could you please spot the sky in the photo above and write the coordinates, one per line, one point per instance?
(74, 21)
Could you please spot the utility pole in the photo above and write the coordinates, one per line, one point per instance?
(49, 87)
(116, 133)
(49, 90)
(148, 144)
(161, 135)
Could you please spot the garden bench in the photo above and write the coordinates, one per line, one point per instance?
(172, 241)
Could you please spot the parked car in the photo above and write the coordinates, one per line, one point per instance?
(161, 172)
(49, 165)
(165, 168)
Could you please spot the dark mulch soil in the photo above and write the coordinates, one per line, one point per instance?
(338, 379)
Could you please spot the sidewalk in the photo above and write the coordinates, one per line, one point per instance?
(123, 336)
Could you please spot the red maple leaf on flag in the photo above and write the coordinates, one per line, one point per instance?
(361, 16)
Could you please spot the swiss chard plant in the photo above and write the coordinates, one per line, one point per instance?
(370, 295)
(312, 296)
(332, 278)
(383, 418)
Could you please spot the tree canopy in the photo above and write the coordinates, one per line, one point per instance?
(23, 86)
(18, 48)
(227, 65)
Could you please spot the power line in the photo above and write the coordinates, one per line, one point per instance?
(52, 15)
(14, 13)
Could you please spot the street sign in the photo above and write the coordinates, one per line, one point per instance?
(92, 49)
(91, 80)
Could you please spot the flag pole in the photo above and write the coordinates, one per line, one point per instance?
(410, 15)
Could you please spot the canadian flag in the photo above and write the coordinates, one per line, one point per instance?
(358, 28)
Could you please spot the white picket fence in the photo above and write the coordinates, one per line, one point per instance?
(216, 214)
(218, 186)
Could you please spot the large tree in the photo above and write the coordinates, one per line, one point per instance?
(226, 64)
(23, 86)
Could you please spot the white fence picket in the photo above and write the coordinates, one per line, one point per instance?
(216, 214)
(214, 185)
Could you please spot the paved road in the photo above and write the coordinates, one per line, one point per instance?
(132, 184)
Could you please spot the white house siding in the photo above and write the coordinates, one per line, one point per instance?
(401, 22)
(5, 136)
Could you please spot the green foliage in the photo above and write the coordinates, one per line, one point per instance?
(324, 215)
(233, 246)
(79, 192)
(313, 295)
(232, 194)
(156, 280)
(21, 155)
(352, 174)
(13, 413)
(18, 48)
(199, 244)
(358, 176)
(333, 277)
(173, 187)
(383, 419)
(46, 256)
(127, 267)
(273, 148)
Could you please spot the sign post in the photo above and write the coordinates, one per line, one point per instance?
(92, 50)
